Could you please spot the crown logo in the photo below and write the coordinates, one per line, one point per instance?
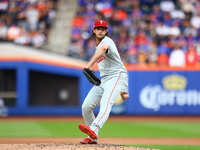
(174, 82)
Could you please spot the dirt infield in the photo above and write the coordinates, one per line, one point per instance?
(104, 143)
(68, 146)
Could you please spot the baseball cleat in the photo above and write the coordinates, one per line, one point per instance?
(88, 141)
(88, 131)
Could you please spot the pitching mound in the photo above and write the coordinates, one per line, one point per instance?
(70, 146)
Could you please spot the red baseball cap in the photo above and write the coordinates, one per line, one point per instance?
(100, 23)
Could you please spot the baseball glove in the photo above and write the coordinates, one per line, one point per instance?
(92, 78)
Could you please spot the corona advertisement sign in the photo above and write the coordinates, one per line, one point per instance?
(164, 93)
(170, 93)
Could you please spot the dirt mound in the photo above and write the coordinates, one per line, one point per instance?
(70, 146)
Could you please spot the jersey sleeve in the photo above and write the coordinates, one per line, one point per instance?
(108, 43)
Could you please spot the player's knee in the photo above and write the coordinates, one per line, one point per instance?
(86, 109)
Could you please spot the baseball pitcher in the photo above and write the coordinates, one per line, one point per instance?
(113, 83)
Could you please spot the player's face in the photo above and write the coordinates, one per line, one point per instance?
(100, 32)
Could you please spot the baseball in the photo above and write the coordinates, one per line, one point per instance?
(126, 96)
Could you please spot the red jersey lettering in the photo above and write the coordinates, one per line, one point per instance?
(100, 59)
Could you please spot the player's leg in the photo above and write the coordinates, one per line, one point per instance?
(91, 101)
(112, 90)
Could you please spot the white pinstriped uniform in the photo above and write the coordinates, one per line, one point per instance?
(114, 81)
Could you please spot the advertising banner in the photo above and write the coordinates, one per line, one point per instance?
(164, 93)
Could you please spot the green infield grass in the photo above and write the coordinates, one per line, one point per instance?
(110, 129)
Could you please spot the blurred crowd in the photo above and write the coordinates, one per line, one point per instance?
(161, 32)
(26, 22)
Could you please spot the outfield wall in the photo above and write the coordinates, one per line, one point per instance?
(151, 92)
